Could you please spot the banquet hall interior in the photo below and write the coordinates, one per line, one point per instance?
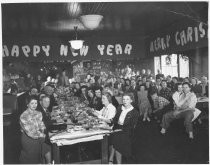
(105, 82)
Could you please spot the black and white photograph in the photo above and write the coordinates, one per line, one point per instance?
(105, 82)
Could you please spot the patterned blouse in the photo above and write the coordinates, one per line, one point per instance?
(32, 124)
(160, 102)
(166, 93)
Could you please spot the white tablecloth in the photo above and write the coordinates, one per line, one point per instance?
(203, 99)
(67, 138)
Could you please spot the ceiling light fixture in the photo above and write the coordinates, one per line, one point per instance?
(91, 21)
(76, 44)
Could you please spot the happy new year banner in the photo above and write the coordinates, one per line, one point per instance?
(39, 49)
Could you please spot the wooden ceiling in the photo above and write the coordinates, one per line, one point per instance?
(142, 18)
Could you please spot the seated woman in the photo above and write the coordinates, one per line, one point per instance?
(126, 119)
(107, 113)
(33, 136)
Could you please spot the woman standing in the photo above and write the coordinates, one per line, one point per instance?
(126, 119)
(143, 103)
(33, 137)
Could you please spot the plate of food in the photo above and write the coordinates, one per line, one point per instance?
(78, 128)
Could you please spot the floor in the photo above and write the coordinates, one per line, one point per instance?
(150, 146)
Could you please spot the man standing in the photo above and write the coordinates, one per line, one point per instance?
(184, 109)
(64, 79)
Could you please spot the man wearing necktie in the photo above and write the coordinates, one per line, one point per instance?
(185, 108)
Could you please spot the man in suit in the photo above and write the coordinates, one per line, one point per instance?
(49, 91)
(97, 102)
(43, 108)
(204, 86)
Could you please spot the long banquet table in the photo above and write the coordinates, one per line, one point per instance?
(70, 138)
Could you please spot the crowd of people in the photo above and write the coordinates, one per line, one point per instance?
(117, 100)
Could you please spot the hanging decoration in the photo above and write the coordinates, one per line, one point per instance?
(168, 60)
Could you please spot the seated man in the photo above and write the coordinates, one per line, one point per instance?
(49, 91)
(97, 102)
(43, 108)
(184, 108)
(165, 91)
(161, 106)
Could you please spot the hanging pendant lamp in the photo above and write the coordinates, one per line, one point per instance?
(91, 21)
(76, 44)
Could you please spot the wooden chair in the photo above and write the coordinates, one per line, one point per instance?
(9, 108)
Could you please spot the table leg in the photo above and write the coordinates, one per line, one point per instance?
(56, 153)
(104, 150)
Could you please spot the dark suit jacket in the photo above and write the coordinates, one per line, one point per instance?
(115, 102)
(97, 103)
(45, 116)
(130, 121)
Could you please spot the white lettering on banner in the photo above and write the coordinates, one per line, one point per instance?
(101, 49)
(202, 30)
(128, 49)
(196, 34)
(183, 38)
(46, 49)
(163, 43)
(26, 50)
(109, 49)
(5, 51)
(15, 51)
(63, 50)
(190, 34)
(176, 38)
(84, 50)
(167, 40)
(151, 49)
(118, 49)
(36, 50)
(160, 43)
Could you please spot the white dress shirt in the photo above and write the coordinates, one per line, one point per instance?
(123, 114)
(190, 102)
(108, 112)
(176, 97)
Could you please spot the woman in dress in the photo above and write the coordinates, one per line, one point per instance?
(34, 148)
(143, 103)
(107, 113)
(126, 119)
